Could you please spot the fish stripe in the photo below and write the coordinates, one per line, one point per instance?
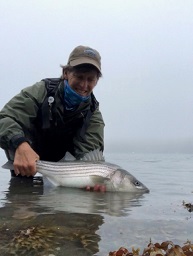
(75, 169)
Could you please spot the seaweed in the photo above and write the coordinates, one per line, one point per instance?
(188, 206)
(167, 248)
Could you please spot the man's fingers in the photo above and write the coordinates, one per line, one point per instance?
(27, 170)
(102, 188)
(16, 170)
(97, 187)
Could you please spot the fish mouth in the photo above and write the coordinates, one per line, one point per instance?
(144, 190)
(141, 187)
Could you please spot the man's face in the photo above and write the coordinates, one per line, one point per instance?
(82, 83)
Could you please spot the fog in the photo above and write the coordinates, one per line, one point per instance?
(146, 92)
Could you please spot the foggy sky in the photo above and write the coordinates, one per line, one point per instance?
(146, 92)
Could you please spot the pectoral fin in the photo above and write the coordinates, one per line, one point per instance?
(98, 179)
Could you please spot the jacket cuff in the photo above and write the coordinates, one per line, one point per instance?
(17, 140)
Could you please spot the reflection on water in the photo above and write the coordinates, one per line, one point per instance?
(37, 219)
(28, 227)
(80, 201)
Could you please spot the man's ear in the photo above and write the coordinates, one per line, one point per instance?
(65, 74)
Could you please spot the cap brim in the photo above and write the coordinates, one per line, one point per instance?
(84, 60)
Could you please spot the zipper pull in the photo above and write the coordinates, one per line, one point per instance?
(50, 102)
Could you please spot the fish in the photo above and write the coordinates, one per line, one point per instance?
(91, 170)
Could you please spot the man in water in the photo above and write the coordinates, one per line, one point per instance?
(54, 116)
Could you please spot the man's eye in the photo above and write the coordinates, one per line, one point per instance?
(78, 77)
(91, 79)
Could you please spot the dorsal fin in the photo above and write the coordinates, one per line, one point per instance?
(68, 157)
(95, 155)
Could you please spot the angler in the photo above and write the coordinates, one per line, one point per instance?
(54, 116)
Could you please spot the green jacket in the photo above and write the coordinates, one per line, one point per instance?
(21, 120)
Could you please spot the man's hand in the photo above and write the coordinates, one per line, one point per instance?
(97, 187)
(25, 160)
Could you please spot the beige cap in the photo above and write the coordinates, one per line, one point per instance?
(85, 55)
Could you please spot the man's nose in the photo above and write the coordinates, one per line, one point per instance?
(84, 84)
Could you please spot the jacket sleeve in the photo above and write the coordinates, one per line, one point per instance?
(94, 136)
(19, 114)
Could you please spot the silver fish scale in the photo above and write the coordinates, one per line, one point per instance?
(76, 168)
(87, 172)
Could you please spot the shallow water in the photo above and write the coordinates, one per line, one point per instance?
(71, 221)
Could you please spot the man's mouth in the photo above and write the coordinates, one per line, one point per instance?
(81, 92)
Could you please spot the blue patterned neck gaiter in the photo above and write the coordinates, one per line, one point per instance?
(71, 98)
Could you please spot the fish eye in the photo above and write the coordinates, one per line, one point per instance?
(137, 183)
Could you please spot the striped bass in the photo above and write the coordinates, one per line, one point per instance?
(89, 171)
